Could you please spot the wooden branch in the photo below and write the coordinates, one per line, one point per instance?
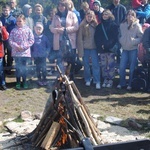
(51, 135)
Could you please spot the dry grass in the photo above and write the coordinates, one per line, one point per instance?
(106, 102)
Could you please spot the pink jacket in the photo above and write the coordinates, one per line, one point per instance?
(71, 27)
(22, 37)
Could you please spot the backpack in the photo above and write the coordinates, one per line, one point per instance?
(139, 81)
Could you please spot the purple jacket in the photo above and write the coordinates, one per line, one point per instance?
(41, 46)
(21, 37)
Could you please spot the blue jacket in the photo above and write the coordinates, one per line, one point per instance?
(144, 13)
(9, 22)
(41, 46)
(119, 12)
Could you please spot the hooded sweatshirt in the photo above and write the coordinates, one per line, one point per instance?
(29, 20)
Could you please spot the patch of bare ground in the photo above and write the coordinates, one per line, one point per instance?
(105, 102)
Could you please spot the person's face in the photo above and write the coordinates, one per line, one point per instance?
(105, 16)
(38, 30)
(30, 11)
(144, 1)
(116, 2)
(38, 10)
(6, 11)
(96, 6)
(61, 8)
(20, 22)
(89, 18)
(13, 3)
(130, 17)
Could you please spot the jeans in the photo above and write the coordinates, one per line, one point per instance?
(127, 57)
(40, 67)
(91, 54)
(57, 54)
(21, 70)
(2, 76)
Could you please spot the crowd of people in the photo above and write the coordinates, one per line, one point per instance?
(92, 32)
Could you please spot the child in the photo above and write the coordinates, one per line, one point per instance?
(39, 17)
(3, 36)
(40, 50)
(87, 49)
(9, 22)
(21, 39)
(49, 35)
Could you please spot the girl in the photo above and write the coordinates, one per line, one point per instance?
(87, 48)
(21, 39)
(40, 50)
(110, 29)
(131, 35)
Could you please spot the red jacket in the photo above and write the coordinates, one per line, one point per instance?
(136, 3)
(4, 35)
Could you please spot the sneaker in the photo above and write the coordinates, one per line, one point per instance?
(119, 86)
(25, 85)
(40, 83)
(88, 83)
(109, 84)
(44, 83)
(3, 87)
(129, 87)
(105, 83)
(98, 86)
(18, 86)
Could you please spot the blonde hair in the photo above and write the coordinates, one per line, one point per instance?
(38, 5)
(133, 13)
(85, 5)
(87, 25)
(110, 15)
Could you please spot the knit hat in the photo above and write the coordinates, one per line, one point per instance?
(98, 2)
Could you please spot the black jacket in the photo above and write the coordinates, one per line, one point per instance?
(111, 29)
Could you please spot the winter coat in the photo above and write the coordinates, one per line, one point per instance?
(85, 37)
(130, 38)
(41, 46)
(16, 11)
(9, 22)
(144, 12)
(119, 12)
(3, 36)
(21, 37)
(136, 3)
(71, 28)
(111, 28)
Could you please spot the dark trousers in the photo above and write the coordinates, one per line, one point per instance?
(40, 67)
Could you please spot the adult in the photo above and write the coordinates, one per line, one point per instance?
(15, 10)
(146, 45)
(119, 12)
(97, 10)
(131, 35)
(87, 49)
(105, 38)
(143, 13)
(64, 20)
(84, 9)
